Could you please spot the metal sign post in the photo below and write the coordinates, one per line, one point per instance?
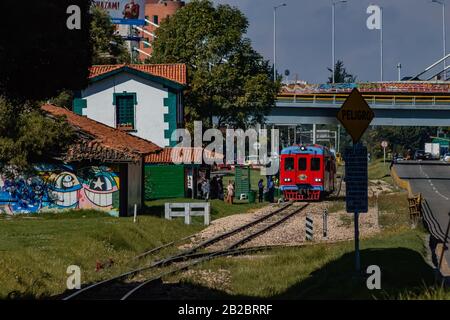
(384, 145)
(356, 115)
(357, 254)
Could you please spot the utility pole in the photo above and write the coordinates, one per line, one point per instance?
(442, 3)
(381, 42)
(275, 40)
(333, 32)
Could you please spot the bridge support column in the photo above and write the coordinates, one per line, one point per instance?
(314, 133)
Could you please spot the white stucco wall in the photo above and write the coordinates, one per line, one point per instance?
(150, 109)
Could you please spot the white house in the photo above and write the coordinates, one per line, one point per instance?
(144, 100)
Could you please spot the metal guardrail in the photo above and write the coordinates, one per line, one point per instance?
(373, 99)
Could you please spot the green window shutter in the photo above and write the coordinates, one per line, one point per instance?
(171, 116)
(125, 109)
(79, 105)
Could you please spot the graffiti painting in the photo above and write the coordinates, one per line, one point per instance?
(61, 187)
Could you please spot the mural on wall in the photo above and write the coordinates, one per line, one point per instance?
(58, 187)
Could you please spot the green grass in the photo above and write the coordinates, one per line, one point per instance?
(35, 250)
(393, 209)
(326, 271)
(336, 206)
(378, 170)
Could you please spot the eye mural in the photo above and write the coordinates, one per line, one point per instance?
(54, 188)
(65, 190)
(101, 189)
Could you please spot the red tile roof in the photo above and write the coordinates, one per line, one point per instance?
(173, 72)
(103, 136)
(180, 154)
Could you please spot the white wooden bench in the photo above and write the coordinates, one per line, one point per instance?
(188, 210)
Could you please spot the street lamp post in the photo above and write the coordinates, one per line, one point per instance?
(333, 23)
(275, 39)
(442, 3)
(381, 43)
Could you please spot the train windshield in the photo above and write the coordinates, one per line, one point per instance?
(289, 164)
(315, 164)
(302, 164)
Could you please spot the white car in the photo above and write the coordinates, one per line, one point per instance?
(447, 157)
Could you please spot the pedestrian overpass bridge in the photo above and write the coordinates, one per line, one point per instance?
(394, 104)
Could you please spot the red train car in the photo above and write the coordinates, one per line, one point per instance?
(307, 172)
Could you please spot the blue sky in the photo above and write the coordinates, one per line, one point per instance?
(412, 36)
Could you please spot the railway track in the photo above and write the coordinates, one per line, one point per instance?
(129, 284)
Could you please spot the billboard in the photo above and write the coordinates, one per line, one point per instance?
(124, 11)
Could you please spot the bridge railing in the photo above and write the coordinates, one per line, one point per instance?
(372, 99)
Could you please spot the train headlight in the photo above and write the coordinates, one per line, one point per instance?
(318, 180)
(287, 180)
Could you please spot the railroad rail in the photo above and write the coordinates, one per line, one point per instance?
(118, 288)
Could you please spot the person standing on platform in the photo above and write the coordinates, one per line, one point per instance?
(206, 189)
(261, 190)
(230, 192)
(271, 187)
(220, 188)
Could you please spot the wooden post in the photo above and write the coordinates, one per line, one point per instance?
(167, 211)
(187, 213)
(207, 211)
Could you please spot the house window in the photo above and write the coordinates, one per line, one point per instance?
(155, 19)
(147, 41)
(147, 18)
(125, 111)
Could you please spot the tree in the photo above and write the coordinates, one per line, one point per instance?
(400, 138)
(227, 78)
(340, 74)
(108, 47)
(39, 53)
(27, 136)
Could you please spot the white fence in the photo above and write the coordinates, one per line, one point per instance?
(188, 210)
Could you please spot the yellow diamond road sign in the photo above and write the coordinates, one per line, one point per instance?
(355, 115)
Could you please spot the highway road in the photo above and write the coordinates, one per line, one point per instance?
(432, 180)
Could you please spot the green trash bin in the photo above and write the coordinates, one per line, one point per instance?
(251, 196)
(277, 192)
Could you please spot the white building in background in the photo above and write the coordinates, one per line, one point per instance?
(144, 100)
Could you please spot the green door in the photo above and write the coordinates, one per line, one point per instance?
(164, 181)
